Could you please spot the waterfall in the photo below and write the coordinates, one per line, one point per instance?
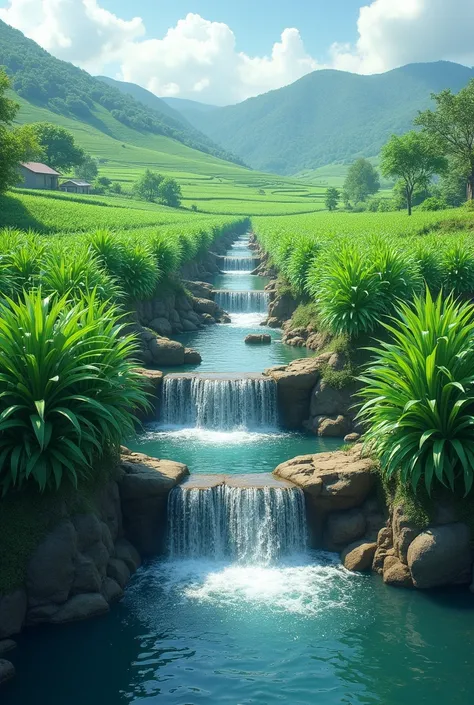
(240, 264)
(246, 524)
(243, 301)
(220, 403)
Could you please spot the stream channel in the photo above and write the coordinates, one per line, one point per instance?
(240, 611)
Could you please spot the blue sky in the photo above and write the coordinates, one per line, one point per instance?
(256, 23)
(225, 51)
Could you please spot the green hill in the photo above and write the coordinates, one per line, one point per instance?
(69, 92)
(327, 116)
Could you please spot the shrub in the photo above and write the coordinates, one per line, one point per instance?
(76, 273)
(433, 203)
(68, 388)
(138, 273)
(418, 395)
(299, 262)
(458, 270)
(430, 268)
(398, 273)
(168, 254)
(348, 292)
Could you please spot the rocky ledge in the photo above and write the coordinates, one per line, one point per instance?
(306, 400)
(84, 563)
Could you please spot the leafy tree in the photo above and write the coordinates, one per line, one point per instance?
(16, 145)
(332, 198)
(452, 125)
(104, 181)
(88, 170)
(170, 193)
(148, 185)
(116, 187)
(414, 158)
(60, 150)
(452, 186)
(362, 181)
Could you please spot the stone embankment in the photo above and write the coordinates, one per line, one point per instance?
(306, 400)
(84, 563)
(345, 514)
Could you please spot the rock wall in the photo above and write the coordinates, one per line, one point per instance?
(306, 400)
(83, 565)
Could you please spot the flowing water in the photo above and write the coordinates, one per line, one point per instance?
(240, 611)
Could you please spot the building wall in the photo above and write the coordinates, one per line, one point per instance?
(40, 181)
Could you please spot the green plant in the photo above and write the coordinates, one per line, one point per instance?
(430, 268)
(349, 293)
(458, 270)
(418, 395)
(138, 273)
(398, 273)
(68, 388)
(167, 253)
(76, 273)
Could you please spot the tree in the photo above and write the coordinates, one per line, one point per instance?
(332, 198)
(16, 145)
(414, 158)
(148, 185)
(88, 170)
(452, 125)
(60, 150)
(362, 181)
(170, 193)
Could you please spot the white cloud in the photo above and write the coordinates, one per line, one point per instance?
(397, 32)
(198, 58)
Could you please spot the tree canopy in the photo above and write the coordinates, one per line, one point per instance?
(16, 145)
(59, 149)
(414, 158)
(332, 198)
(452, 125)
(362, 181)
(170, 193)
(87, 170)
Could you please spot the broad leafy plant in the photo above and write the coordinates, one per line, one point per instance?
(68, 388)
(458, 270)
(419, 394)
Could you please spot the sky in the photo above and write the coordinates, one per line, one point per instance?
(225, 51)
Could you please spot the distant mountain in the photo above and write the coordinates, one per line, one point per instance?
(190, 109)
(65, 90)
(327, 116)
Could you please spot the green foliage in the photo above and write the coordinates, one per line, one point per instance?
(169, 192)
(75, 273)
(458, 270)
(338, 379)
(414, 158)
(305, 316)
(138, 272)
(362, 181)
(148, 186)
(433, 203)
(399, 275)
(429, 266)
(87, 169)
(349, 292)
(332, 198)
(418, 395)
(167, 253)
(68, 388)
(58, 146)
(451, 124)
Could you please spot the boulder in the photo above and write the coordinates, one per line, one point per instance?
(441, 556)
(207, 319)
(111, 590)
(118, 571)
(162, 326)
(192, 357)
(272, 322)
(166, 352)
(396, 573)
(343, 528)
(110, 507)
(202, 290)
(89, 530)
(7, 671)
(295, 383)
(127, 553)
(87, 577)
(144, 490)
(81, 607)
(352, 438)
(50, 572)
(188, 326)
(359, 556)
(99, 555)
(404, 531)
(258, 339)
(7, 645)
(329, 427)
(153, 382)
(205, 306)
(12, 612)
(282, 307)
(329, 401)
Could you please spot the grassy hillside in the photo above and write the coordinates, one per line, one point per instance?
(70, 92)
(327, 116)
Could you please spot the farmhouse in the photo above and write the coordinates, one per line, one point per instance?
(36, 175)
(75, 186)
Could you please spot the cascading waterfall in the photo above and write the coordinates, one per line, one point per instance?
(239, 264)
(243, 301)
(256, 525)
(220, 403)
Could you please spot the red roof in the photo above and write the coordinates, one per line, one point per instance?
(38, 168)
